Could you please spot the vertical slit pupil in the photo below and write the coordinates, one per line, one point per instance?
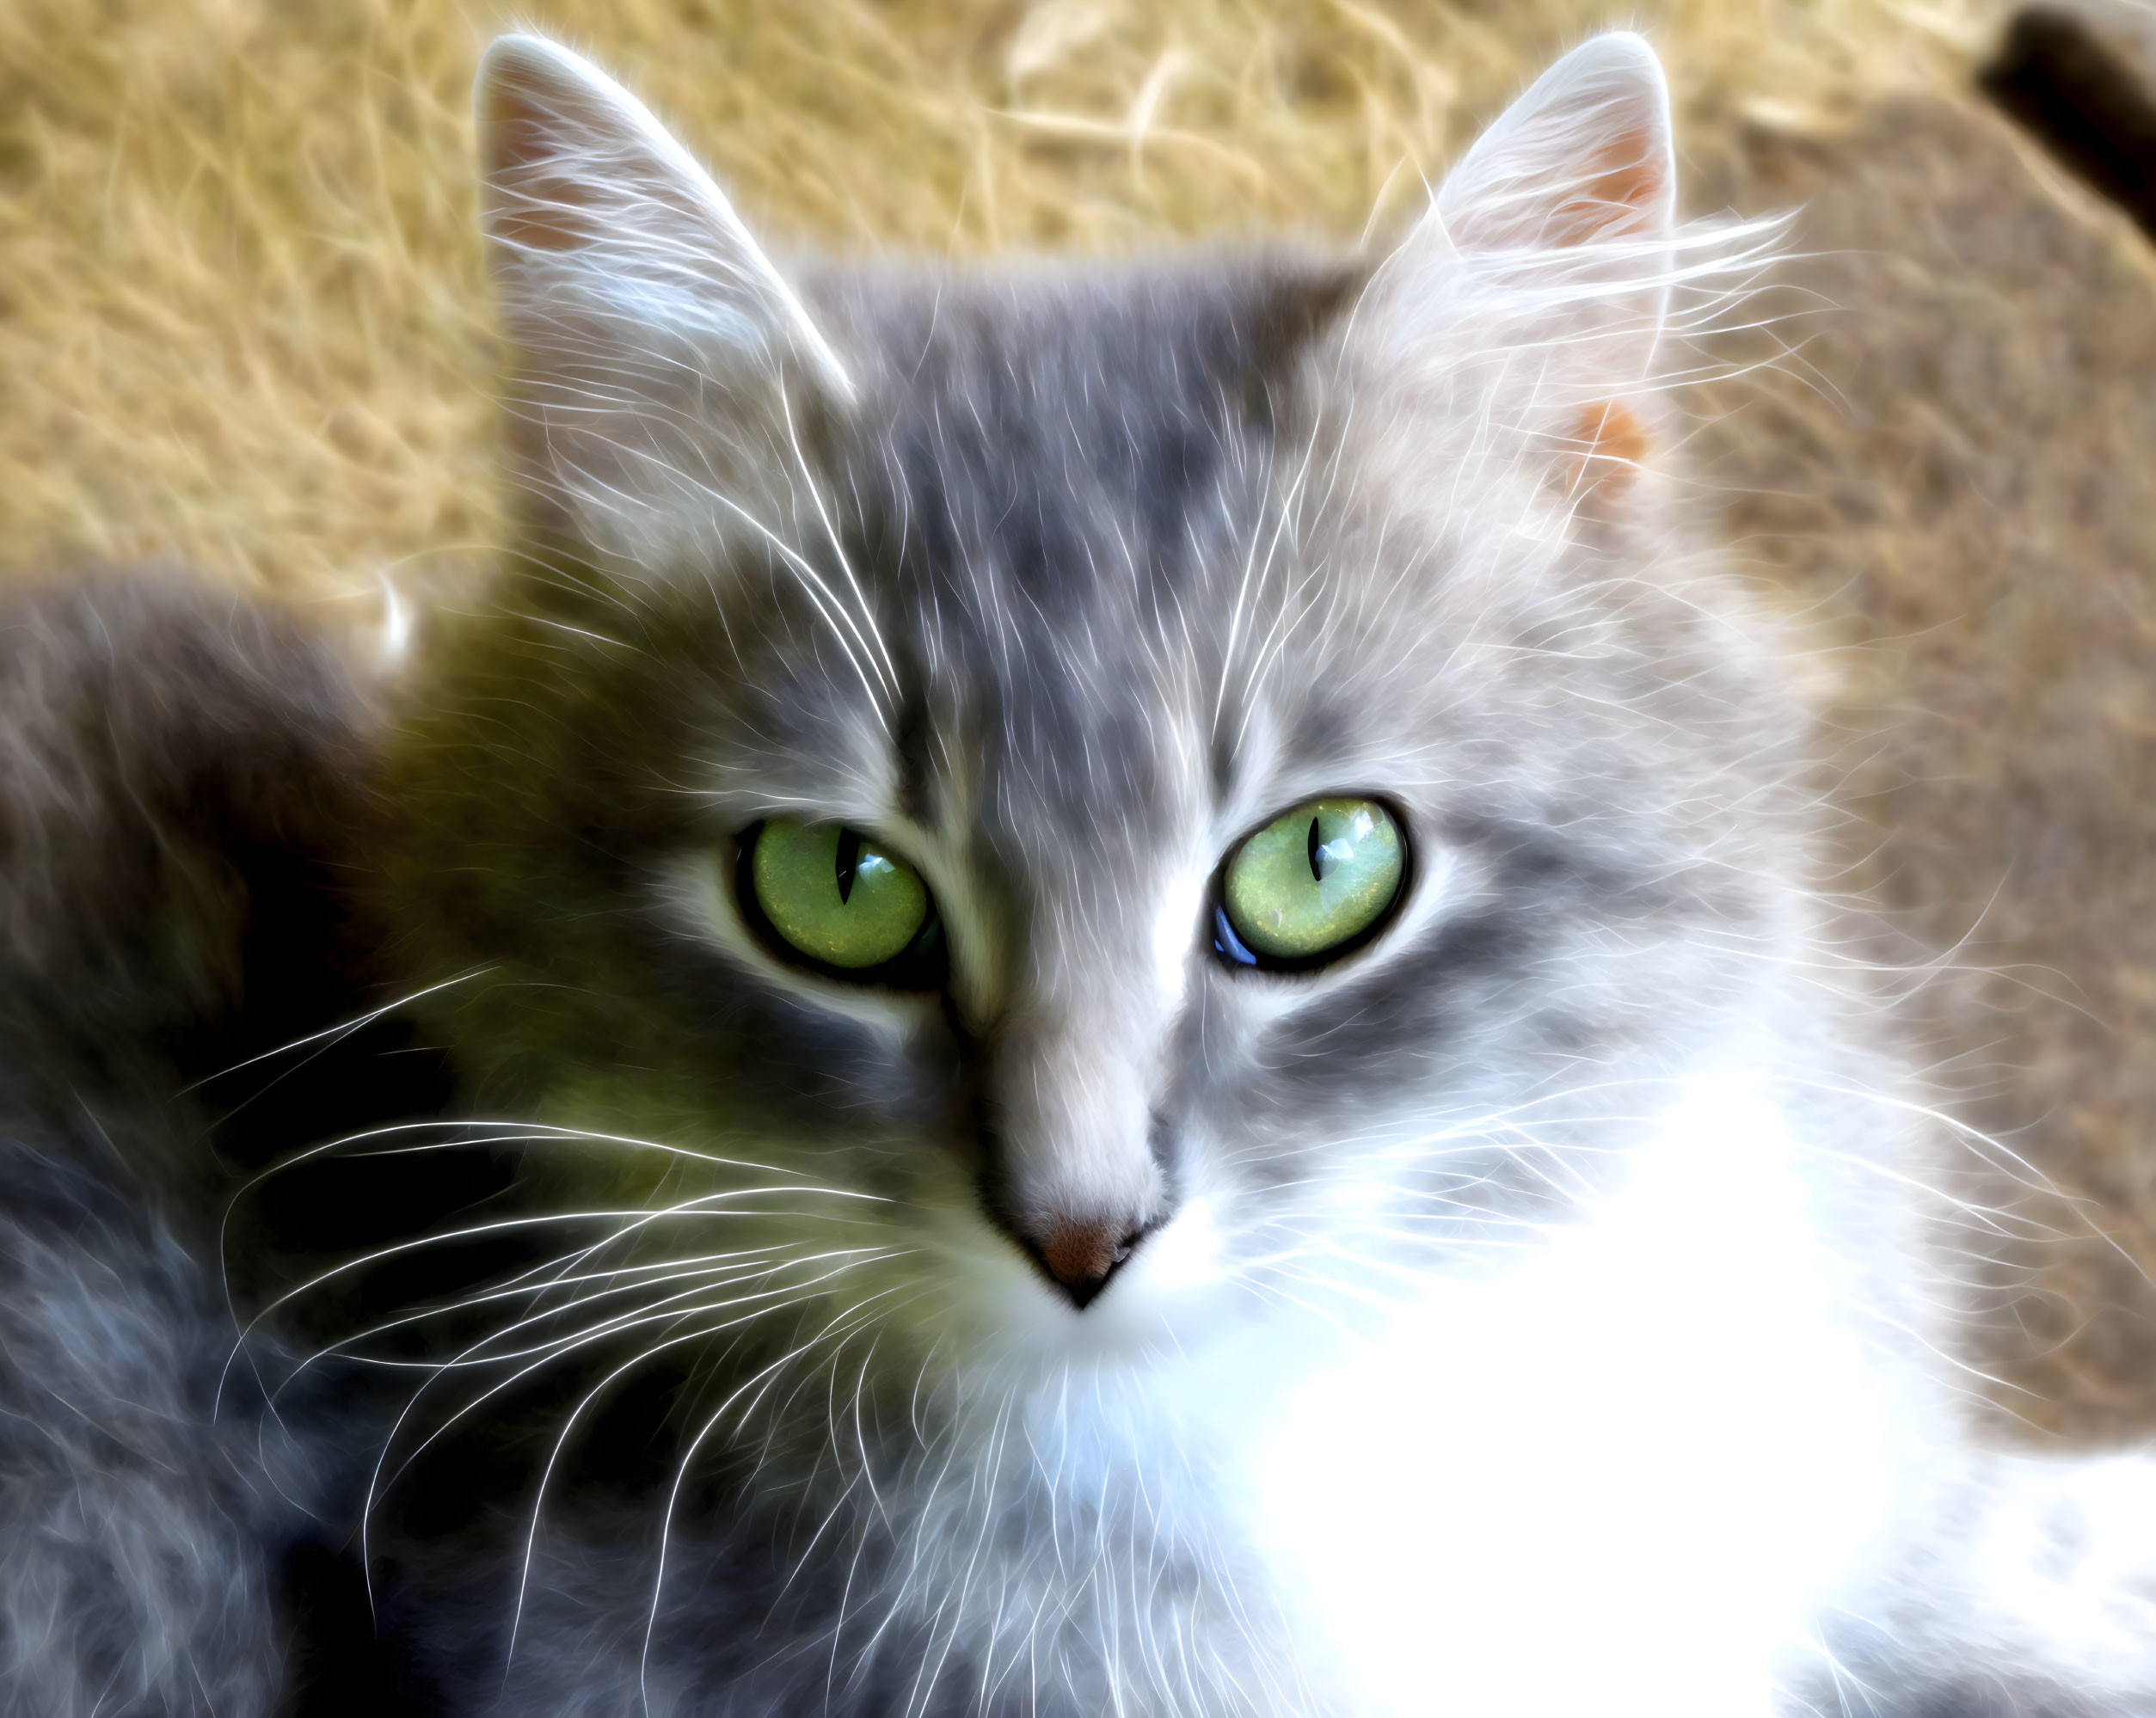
(849, 856)
(1316, 866)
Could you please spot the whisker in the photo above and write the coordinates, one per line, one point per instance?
(755, 1382)
(329, 1036)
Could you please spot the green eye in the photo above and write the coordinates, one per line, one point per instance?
(835, 897)
(1311, 882)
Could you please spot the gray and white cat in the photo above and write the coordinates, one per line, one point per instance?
(1145, 937)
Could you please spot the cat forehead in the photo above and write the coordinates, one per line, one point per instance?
(1127, 394)
(1050, 479)
(1063, 459)
(1180, 331)
(1093, 510)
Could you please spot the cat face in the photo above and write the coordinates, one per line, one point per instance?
(1068, 804)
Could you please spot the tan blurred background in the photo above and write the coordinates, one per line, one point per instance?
(243, 323)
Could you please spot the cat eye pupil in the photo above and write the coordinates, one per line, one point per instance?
(849, 857)
(1311, 885)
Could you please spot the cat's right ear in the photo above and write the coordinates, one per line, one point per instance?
(664, 362)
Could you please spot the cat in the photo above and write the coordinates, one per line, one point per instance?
(1127, 966)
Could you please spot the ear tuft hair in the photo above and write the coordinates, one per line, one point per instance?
(1585, 156)
(665, 364)
(576, 166)
(1535, 297)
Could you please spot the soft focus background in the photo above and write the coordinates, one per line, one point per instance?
(243, 324)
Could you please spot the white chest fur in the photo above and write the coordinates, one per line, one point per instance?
(1616, 1480)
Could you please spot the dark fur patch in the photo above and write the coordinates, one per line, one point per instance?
(179, 783)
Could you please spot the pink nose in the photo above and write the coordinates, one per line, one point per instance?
(1082, 1256)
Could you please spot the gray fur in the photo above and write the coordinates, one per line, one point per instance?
(1062, 579)
(134, 1579)
(152, 735)
(1059, 581)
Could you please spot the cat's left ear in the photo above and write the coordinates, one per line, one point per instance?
(663, 358)
(1546, 260)
(1583, 158)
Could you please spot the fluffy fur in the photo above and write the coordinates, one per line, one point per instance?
(1546, 1305)
(169, 768)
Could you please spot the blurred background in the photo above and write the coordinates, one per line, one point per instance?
(244, 325)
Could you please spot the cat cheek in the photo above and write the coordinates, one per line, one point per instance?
(1602, 456)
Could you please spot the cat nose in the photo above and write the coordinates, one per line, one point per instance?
(1082, 1256)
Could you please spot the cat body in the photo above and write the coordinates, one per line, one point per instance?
(1531, 1290)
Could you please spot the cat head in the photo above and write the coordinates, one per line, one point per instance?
(1099, 789)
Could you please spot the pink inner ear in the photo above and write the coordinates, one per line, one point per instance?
(541, 205)
(1583, 158)
(1549, 187)
(1603, 452)
(1622, 192)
